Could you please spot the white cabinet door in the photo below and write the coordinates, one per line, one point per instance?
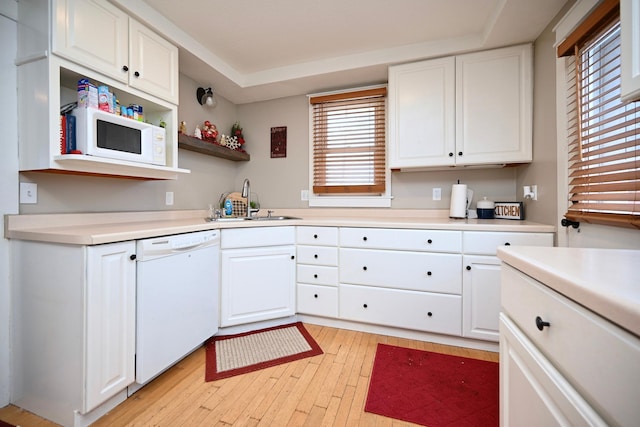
(480, 297)
(257, 284)
(93, 33)
(110, 328)
(630, 27)
(153, 63)
(532, 391)
(422, 114)
(494, 98)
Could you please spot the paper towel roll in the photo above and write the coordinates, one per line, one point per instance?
(458, 208)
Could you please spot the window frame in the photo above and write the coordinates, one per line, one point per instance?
(598, 22)
(347, 199)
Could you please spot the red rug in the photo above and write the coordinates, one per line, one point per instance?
(433, 389)
(231, 355)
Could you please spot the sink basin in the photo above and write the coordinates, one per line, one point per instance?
(253, 218)
(273, 218)
(229, 219)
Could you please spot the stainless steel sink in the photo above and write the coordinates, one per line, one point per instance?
(253, 218)
(272, 218)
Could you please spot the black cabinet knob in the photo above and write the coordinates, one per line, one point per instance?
(125, 68)
(293, 257)
(315, 236)
(137, 74)
(507, 244)
(429, 314)
(450, 154)
(316, 256)
(364, 238)
(315, 295)
(468, 267)
(364, 268)
(132, 257)
(428, 273)
(364, 305)
(459, 153)
(540, 324)
(315, 276)
(429, 241)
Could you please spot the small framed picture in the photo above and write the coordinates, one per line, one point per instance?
(509, 210)
(278, 142)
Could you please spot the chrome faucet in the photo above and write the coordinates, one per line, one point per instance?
(246, 193)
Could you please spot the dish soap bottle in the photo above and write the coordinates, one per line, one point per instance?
(228, 207)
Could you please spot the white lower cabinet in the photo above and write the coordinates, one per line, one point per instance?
(74, 326)
(258, 275)
(317, 268)
(533, 392)
(481, 278)
(576, 368)
(480, 297)
(423, 311)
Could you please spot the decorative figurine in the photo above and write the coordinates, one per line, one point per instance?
(197, 133)
(209, 132)
(183, 127)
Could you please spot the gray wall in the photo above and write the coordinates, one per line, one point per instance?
(543, 171)
(8, 178)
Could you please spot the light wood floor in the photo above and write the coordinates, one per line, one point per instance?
(325, 390)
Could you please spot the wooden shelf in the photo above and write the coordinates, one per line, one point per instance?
(194, 144)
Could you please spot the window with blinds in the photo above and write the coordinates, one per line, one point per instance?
(604, 142)
(349, 142)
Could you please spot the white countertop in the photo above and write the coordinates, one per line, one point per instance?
(98, 228)
(606, 281)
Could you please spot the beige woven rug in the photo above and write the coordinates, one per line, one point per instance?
(233, 355)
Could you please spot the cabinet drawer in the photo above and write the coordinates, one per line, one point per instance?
(324, 236)
(402, 270)
(318, 300)
(598, 358)
(405, 309)
(486, 243)
(407, 240)
(319, 255)
(318, 274)
(257, 237)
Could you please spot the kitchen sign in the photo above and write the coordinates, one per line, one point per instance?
(509, 210)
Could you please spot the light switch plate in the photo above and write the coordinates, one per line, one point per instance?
(28, 193)
(169, 198)
(437, 194)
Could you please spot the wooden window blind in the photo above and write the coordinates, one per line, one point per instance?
(603, 134)
(349, 148)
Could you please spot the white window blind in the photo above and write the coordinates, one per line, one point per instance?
(604, 142)
(349, 134)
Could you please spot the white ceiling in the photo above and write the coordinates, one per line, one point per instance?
(252, 50)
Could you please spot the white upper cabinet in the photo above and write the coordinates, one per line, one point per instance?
(473, 109)
(630, 25)
(422, 114)
(494, 100)
(153, 62)
(98, 35)
(93, 33)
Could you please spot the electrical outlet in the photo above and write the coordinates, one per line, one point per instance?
(304, 194)
(437, 194)
(28, 193)
(169, 198)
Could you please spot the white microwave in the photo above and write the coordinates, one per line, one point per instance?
(103, 134)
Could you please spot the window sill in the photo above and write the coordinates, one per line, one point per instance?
(350, 202)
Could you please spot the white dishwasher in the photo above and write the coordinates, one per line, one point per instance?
(177, 298)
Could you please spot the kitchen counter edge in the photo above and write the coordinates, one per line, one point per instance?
(604, 281)
(100, 228)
